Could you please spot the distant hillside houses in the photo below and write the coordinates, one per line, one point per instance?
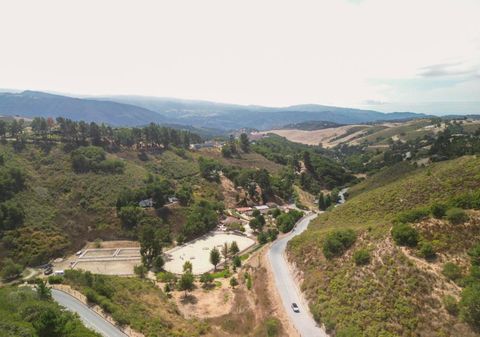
(207, 144)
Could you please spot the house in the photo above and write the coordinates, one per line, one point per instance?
(244, 210)
(146, 203)
(262, 208)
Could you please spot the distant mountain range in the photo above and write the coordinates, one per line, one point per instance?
(40, 104)
(136, 110)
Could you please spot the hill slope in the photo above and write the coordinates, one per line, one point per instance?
(232, 116)
(39, 104)
(395, 291)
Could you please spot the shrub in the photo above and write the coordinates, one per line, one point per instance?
(405, 235)
(452, 271)
(475, 255)
(361, 257)
(10, 270)
(413, 215)
(272, 327)
(450, 304)
(438, 210)
(427, 251)
(337, 242)
(55, 279)
(470, 305)
(456, 216)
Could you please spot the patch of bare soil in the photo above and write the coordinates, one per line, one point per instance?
(327, 137)
(229, 192)
(239, 312)
(202, 303)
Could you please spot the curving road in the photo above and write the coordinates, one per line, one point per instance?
(89, 317)
(287, 287)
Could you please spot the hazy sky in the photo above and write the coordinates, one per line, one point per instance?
(386, 54)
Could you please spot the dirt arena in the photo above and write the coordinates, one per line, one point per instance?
(198, 251)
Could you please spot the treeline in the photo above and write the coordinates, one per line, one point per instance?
(83, 133)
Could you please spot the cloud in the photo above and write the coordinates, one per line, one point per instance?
(448, 69)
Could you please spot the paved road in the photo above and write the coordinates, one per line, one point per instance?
(288, 289)
(89, 317)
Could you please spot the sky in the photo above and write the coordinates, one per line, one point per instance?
(389, 55)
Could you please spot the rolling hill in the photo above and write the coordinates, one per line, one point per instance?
(233, 116)
(40, 104)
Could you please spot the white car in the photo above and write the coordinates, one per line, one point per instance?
(295, 307)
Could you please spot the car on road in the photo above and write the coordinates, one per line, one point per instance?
(295, 307)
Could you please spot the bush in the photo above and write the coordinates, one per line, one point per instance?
(452, 271)
(456, 216)
(413, 215)
(474, 254)
(55, 279)
(10, 270)
(427, 251)
(337, 242)
(405, 235)
(361, 257)
(438, 210)
(272, 327)
(450, 304)
(470, 305)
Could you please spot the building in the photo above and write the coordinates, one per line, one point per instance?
(262, 208)
(146, 203)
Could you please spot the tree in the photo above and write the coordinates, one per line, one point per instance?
(244, 143)
(206, 279)
(234, 250)
(186, 282)
(225, 251)
(10, 270)
(150, 245)
(184, 195)
(187, 267)
(158, 263)
(214, 257)
(233, 282)
(237, 262)
(321, 202)
(130, 216)
(43, 292)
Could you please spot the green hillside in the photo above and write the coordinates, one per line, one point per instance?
(367, 284)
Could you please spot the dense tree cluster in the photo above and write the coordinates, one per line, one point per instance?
(26, 313)
(314, 167)
(203, 217)
(94, 158)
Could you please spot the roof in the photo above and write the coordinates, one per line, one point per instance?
(243, 209)
(262, 207)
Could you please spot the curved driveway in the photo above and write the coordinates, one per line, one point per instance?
(287, 287)
(89, 317)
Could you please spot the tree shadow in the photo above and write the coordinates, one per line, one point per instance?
(189, 299)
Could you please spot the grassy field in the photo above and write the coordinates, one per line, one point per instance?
(392, 295)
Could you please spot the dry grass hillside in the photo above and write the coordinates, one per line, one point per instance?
(395, 291)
